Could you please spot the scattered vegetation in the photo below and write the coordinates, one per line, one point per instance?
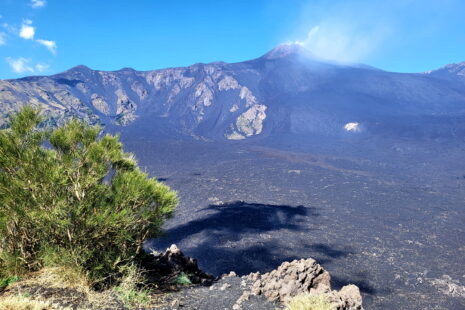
(133, 298)
(309, 302)
(71, 198)
(131, 290)
(4, 282)
(182, 279)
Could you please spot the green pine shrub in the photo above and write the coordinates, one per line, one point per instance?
(70, 197)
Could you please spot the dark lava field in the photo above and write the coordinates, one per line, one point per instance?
(388, 217)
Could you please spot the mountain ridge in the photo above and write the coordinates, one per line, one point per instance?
(280, 50)
(286, 90)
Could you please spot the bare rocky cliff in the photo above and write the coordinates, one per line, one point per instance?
(188, 98)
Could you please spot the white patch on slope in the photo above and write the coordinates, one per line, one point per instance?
(352, 126)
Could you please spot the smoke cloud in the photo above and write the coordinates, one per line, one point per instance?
(342, 42)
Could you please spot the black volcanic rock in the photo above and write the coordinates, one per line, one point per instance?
(163, 268)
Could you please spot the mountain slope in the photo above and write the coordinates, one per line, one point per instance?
(285, 91)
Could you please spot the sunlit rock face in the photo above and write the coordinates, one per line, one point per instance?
(451, 71)
(286, 91)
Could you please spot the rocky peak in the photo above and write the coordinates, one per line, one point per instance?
(457, 68)
(288, 50)
(454, 69)
(126, 70)
(79, 71)
(79, 68)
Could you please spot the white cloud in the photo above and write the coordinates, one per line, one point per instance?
(20, 65)
(50, 45)
(42, 67)
(23, 65)
(38, 3)
(27, 30)
(342, 42)
(347, 31)
(2, 38)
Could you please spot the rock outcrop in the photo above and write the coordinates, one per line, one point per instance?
(300, 277)
(291, 279)
(163, 268)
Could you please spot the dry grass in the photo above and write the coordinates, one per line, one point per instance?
(309, 302)
(64, 287)
(59, 277)
(19, 302)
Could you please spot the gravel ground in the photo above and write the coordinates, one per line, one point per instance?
(390, 221)
(220, 296)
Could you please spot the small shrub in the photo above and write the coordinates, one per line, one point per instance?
(309, 302)
(133, 298)
(182, 279)
(7, 281)
(130, 290)
(72, 198)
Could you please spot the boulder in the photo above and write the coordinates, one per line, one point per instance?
(291, 279)
(300, 277)
(348, 298)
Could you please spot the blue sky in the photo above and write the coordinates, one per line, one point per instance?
(49, 36)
